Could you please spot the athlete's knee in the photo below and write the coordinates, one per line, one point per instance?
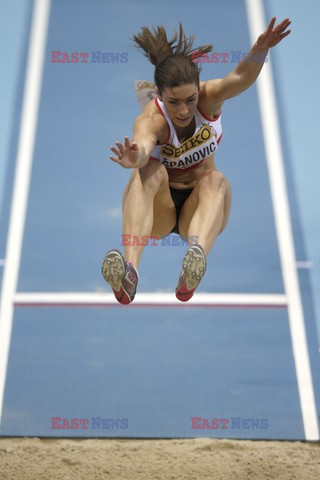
(213, 182)
(152, 175)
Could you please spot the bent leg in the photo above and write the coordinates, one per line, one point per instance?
(147, 208)
(205, 213)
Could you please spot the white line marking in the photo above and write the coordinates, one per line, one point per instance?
(304, 264)
(31, 97)
(278, 187)
(145, 299)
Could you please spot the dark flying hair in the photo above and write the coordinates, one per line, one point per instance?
(172, 59)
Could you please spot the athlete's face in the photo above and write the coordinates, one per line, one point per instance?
(181, 103)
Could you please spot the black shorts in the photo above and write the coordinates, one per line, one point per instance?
(179, 197)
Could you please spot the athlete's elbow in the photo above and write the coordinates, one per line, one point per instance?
(142, 161)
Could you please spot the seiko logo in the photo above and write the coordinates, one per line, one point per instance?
(191, 159)
(199, 138)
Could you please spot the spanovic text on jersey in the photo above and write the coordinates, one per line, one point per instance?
(194, 150)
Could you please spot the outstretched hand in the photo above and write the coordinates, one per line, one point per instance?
(273, 35)
(126, 154)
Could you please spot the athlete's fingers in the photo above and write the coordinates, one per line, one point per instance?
(127, 142)
(117, 152)
(281, 28)
(283, 25)
(116, 160)
(271, 24)
(120, 146)
(283, 35)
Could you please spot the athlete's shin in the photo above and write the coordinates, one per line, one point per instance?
(209, 216)
(137, 221)
(138, 210)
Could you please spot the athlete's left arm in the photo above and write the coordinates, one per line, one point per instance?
(248, 69)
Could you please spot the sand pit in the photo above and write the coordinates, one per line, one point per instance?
(186, 459)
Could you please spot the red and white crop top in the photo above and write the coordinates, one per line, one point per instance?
(180, 157)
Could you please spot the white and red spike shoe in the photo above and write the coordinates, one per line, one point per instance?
(121, 276)
(194, 267)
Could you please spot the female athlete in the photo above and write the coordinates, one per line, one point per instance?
(174, 185)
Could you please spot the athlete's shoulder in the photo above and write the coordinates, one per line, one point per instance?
(152, 113)
(151, 118)
(209, 102)
(152, 109)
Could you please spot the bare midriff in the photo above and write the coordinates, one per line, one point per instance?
(186, 180)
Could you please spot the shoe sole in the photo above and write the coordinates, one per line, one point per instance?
(113, 269)
(194, 267)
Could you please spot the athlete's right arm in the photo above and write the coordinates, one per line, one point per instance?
(136, 153)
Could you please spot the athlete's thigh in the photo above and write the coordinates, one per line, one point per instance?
(164, 212)
(187, 211)
(191, 204)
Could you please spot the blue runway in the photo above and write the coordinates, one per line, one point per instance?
(248, 353)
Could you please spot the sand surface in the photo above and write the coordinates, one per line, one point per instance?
(200, 459)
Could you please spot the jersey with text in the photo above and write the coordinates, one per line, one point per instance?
(180, 157)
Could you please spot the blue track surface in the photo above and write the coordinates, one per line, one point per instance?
(156, 367)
